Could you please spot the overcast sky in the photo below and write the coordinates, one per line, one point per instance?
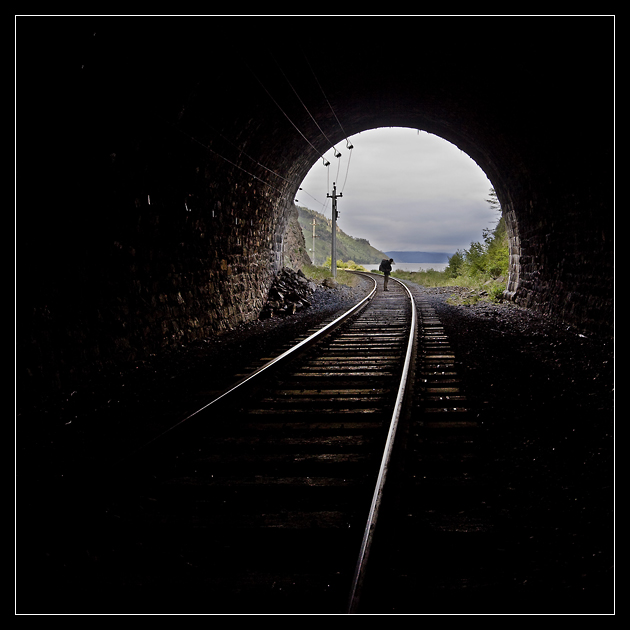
(405, 191)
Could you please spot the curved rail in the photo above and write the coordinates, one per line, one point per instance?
(382, 460)
(290, 353)
(370, 527)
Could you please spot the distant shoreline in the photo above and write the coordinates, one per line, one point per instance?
(436, 266)
(419, 257)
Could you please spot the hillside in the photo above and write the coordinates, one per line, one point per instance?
(348, 247)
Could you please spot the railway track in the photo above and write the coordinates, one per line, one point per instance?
(436, 550)
(266, 499)
(336, 477)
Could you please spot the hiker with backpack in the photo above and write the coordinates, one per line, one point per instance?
(386, 268)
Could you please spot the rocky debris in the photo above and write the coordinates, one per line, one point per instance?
(289, 293)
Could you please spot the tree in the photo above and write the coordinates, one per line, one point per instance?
(493, 200)
(455, 264)
(487, 258)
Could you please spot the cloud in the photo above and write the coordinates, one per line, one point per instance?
(404, 190)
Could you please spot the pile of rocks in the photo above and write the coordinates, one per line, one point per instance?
(289, 293)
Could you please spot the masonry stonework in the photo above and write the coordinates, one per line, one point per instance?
(156, 186)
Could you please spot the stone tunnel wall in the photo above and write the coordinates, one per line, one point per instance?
(561, 249)
(175, 269)
(157, 177)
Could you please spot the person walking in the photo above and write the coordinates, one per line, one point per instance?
(386, 268)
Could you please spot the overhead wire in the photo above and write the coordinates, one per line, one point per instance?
(308, 63)
(240, 150)
(326, 163)
(349, 145)
(337, 153)
(347, 169)
(211, 150)
(205, 146)
(313, 198)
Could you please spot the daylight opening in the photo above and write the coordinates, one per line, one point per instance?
(406, 194)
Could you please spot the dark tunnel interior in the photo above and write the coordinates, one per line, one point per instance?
(157, 164)
(157, 160)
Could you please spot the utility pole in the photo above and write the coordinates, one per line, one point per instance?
(314, 223)
(335, 214)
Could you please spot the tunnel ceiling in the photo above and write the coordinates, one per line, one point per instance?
(118, 114)
(511, 100)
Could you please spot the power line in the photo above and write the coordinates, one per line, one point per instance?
(240, 150)
(326, 163)
(347, 169)
(337, 153)
(313, 198)
(207, 148)
(348, 145)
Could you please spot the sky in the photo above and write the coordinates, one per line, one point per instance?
(403, 190)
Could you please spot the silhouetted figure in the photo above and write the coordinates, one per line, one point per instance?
(386, 268)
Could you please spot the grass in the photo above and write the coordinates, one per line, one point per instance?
(492, 287)
(484, 288)
(317, 274)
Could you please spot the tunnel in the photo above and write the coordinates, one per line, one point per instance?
(158, 159)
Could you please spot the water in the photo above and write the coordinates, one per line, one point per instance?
(411, 266)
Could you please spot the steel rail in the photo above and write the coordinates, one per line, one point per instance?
(275, 361)
(368, 536)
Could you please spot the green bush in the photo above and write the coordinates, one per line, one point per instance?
(496, 292)
(483, 266)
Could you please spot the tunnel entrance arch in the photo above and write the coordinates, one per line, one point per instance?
(171, 153)
(405, 190)
(530, 153)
